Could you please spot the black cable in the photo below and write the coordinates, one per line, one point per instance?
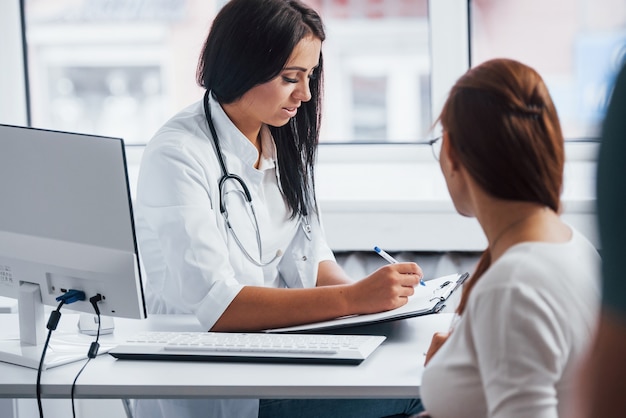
(69, 296)
(74, 385)
(93, 348)
(55, 316)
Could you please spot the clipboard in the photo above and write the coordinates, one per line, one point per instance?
(426, 300)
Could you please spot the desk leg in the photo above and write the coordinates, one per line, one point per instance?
(128, 408)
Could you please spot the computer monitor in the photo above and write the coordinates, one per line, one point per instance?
(66, 222)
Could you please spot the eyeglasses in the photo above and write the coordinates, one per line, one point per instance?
(435, 146)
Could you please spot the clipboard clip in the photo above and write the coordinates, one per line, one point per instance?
(439, 291)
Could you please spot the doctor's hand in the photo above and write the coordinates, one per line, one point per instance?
(387, 288)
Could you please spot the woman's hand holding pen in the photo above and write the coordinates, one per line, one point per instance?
(387, 288)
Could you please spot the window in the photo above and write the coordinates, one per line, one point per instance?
(123, 67)
(377, 63)
(577, 47)
(118, 68)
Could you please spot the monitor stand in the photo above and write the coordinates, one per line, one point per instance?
(25, 350)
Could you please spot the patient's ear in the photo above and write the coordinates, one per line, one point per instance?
(449, 155)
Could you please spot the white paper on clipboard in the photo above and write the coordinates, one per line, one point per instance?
(426, 300)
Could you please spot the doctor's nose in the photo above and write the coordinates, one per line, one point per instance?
(303, 91)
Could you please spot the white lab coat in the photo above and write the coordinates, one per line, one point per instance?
(191, 262)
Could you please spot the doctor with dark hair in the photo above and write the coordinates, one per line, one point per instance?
(227, 221)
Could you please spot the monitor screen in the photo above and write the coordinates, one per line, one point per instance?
(66, 220)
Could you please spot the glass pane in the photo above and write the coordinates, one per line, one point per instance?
(577, 47)
(123, 67)
(117, 68)
(369, 107)
(377, 63)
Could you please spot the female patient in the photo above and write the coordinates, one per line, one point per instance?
(528, 311)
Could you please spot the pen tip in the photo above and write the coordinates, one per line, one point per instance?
(377, 249)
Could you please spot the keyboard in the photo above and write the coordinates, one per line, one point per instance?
(248, 347)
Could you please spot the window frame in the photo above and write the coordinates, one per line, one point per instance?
(13, 84)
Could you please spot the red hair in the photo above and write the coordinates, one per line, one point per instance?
(501, 122)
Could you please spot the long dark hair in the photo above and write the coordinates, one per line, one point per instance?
(249, 43)
(501, 122)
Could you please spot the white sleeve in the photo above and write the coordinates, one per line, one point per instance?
(521, 350)
(182, 234)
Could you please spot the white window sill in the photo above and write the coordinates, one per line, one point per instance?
(421, 225)
(394, 196)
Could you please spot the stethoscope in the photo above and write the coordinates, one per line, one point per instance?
(226, 177)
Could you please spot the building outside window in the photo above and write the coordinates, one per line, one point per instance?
(122, 67)
(577, 47)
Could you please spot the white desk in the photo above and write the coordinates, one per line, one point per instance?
(394, 370)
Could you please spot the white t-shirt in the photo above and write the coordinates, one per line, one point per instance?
(513, 352)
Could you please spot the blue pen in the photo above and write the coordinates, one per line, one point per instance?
(390, 259)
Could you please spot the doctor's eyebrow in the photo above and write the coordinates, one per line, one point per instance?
(295, 68)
